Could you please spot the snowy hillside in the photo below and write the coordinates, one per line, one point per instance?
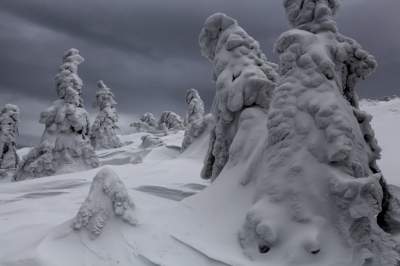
(36, 215)
(386, 123)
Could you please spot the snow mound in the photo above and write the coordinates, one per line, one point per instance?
(108, 199)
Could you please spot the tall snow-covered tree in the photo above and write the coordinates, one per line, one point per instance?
(65, 144)
(243, 78)
(103, 132)
(9, 117)
(194, 120)
(303, 178)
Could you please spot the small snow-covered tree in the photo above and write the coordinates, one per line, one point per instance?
(243, 78)
(194, 120)
(147, 123)
(171, 121)
(9, 160)
(65, 144)
(103, 132)
(108, 199)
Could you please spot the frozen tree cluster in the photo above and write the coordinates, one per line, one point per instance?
(147, 123)
(170, 121)
(194, 120)
(104, 128)
(65, 144)
(108, 199)
(244, 78)
(9, 160)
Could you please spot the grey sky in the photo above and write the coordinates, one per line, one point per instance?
(147, 51)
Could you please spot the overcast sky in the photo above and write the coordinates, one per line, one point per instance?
(147, 50)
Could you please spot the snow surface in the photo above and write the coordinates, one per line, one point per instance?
(36, 215)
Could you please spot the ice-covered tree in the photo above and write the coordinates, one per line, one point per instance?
(9, 160)
(103, 132)
(194, 120)
(243, 78)
(171, 121)
(318, 171)
(303, 179)
(65, 144)
(147, 123)
(108, 199)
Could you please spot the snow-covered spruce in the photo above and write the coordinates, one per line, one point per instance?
(194, 120)
(108, 199)
(147, 123)
(9, 160)
(170, 121)
(319, 171)
(103, 132)
(65, 144)
(243, 78)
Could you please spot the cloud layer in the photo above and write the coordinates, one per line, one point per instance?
(147, 51)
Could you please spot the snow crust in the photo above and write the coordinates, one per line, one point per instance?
(65, 144)
(104, 128)
(243, 77)
(9, 159)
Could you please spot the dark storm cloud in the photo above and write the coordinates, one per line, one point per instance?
(147, 51)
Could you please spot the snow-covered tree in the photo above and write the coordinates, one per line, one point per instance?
(147, 123)
(65, 144)
(194, 120)
(9, 160)
(171, 121)
(243, 78)
(103, 132)
(303, 178)
(108, 199)
(318, 172)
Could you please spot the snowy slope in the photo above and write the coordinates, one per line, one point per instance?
(386, 123)
(35, 215)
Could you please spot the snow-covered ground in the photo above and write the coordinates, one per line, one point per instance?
(386, 123)
(35, 215)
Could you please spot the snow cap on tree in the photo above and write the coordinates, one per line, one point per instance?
(104, 96)
(312, 15)
(68, 73)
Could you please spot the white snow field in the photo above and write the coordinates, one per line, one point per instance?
(36, 216)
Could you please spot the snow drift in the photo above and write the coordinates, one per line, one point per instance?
(108, 199)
